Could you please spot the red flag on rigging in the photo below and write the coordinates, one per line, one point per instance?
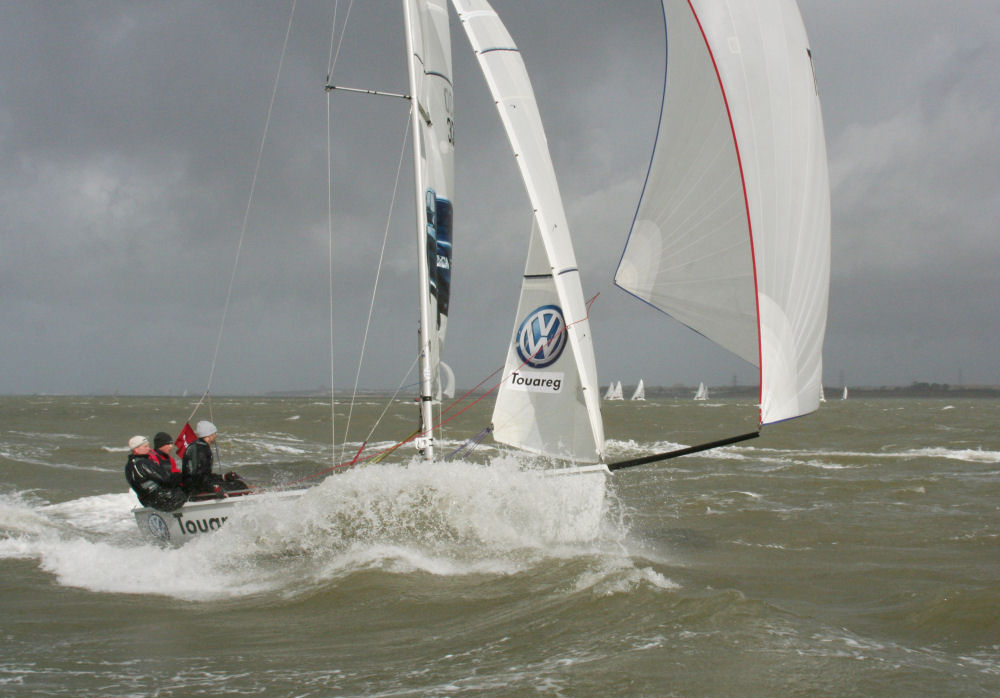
(185, 439)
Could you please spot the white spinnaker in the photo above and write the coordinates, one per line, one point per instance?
(732, 235)
(429, 60)
(511, 88)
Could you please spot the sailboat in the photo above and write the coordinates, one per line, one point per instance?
(731, 235)
(615, 391)
(843, 395)
(701, 393)
(548, 402)
(640, 391)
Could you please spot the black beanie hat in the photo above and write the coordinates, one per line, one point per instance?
(162, 439)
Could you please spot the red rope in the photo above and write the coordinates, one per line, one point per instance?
(358, 459)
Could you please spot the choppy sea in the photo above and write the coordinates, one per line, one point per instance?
(854, 552)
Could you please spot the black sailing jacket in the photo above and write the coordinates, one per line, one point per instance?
(154, 484)
(197, 467)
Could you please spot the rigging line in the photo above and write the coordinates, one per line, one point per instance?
(379, 455)
(469, 392)
(253, 187)
(333, 40)
(388, 452)
(390, 401)
(378, 276)
(589, 303)
(331, 61)
(470, 444)
(565, 328)
(374, 457)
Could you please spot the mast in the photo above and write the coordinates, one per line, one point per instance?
(428, 45)
(425, 330)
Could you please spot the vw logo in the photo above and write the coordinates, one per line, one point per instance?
(158, 527)
(541, 337)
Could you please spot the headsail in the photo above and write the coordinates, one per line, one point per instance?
(732, 235)
(549, 400)
(539, 405)
(429, 59)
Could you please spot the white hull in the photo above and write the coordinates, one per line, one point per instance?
(198, 518)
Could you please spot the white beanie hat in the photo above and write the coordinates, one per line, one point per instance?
(204, 428)
(137, 441)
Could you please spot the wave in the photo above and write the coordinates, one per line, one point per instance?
(36, 457)
(971, 455)
(632, 448)
(622, 578)
(443, 519)
(40, 436)
(834, 458)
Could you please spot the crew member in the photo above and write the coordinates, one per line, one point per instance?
(163, 452)
(198, 477)
(152, 481)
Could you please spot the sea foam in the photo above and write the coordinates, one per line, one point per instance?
(444, 519)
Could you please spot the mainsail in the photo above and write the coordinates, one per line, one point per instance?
(732, 234)
(549, 401)
(428, 41)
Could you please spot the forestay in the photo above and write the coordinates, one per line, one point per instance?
(549, 401)
(732, 234)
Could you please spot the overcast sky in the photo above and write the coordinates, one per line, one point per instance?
(129, 133)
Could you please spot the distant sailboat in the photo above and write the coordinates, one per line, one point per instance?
(844, 396)
(822, 395)
(702, 393)
(640, 391)
(614, 391)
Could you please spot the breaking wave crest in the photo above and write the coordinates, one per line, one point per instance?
(442, 518)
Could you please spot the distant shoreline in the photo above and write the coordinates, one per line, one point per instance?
(915, 390)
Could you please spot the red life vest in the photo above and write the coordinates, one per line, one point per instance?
(165, 459)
